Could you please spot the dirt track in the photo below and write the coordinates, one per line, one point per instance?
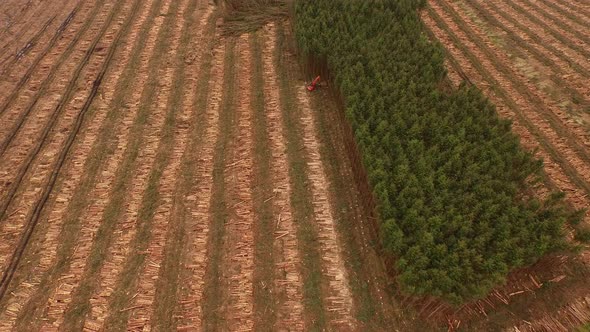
(130, 155)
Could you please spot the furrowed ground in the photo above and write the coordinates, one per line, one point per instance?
(159, 173)
(163, 167)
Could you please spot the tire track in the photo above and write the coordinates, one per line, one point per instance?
(18, 61)
(190, 305)
(565, 76)
(70, 279)
(289, 279)
(73, 176)
(47, 68)
(507, 107)
(560, 132)
(60, 124)
(10, 59)
(113, 37)
(238, 256)
(24, 27)
(338, 301)
(19, 147)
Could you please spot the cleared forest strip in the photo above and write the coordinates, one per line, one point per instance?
(173, 146)
(288, 281)
(198, 61)
(125, 229)
(212, 303)
(16, 164)
(198, 201)
(315, 313)
(530, 135)
(266, 297)
(374, 307)
(548, 32)
(238, 257)
(153, 207)
(578, 32)
(47, 244)
(559, 29)
(92, 213)
(97, 232)
(10, 58)
(113, 38)
(564, 76)
(17, 58)
(60, 122)
(338, 300)
(562, 134)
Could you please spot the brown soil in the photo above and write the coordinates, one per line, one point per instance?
(572, 13)
(565, 18)
(581, 7)
(549, 34)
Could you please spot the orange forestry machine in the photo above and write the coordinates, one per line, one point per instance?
(314, 84)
